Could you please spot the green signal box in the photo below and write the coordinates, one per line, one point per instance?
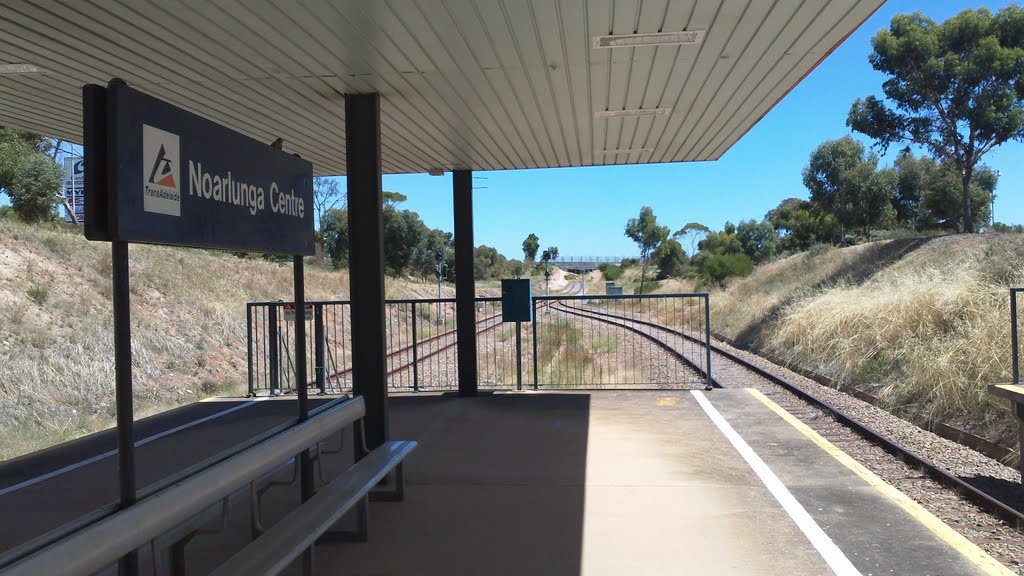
(516, 300)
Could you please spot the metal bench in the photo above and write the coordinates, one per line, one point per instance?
(280, 545)
(1015, 394)
(142, 525)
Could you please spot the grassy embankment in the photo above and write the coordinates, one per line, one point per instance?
(923, 324)
(56, 341)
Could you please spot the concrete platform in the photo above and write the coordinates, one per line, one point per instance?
(595, 483)
(625, 483)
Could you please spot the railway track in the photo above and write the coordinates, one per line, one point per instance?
(866, 439)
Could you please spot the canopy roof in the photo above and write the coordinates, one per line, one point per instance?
(481, 84)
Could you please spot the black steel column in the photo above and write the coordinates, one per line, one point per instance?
(465, 286)
(366, 261)
(306, 488)
(129, 564)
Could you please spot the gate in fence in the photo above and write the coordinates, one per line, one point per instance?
(643, 341)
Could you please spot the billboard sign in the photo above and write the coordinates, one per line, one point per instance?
(74, 188)
(172, 177)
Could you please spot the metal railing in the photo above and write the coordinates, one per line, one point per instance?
(1014, 339)
(573, 341)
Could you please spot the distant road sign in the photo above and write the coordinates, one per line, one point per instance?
(167, 176)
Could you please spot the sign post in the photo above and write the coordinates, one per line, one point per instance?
(155, 173)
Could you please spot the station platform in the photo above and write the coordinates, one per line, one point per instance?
(631, 482)
(572, 482)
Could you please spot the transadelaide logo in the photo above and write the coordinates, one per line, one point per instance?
(161, 155)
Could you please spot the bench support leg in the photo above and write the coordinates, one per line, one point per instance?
(360, 534)
(397, 494)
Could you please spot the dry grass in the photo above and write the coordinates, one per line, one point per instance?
(56, 343)
(923, 325)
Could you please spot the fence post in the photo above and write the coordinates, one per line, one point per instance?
(415, 356)
(248, 338)
(1013, 338)
(273, 361)
(534, 315)
(707, 340)
(519, 355)
(319, 345)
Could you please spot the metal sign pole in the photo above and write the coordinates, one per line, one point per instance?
(129, 564)
(519, 355)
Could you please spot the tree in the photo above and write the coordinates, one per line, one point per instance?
(956, 89)
(530, 247)
(516, 269)
(404, 232)
(758, 239)
(928, 193)
(694, 231)
(840, 176)
(28, 175)
(670, 259)
(326, 195)
(645, 231)
(334, 235)
(553, 252)
(424, 261)
(799, 225)
(393, 199)
(488, 263)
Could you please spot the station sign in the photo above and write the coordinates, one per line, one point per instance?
(158, 174)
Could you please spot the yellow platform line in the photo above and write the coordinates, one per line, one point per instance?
(965, 547)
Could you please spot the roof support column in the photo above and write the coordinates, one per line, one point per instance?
(366, 262)
(465, 286)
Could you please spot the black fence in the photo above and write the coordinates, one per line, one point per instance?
(644, 341)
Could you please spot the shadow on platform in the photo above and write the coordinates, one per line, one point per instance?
(496, 487)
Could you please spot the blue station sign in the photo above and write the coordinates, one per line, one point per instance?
(158, 174)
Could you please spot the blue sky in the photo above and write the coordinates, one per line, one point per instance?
(583, 210)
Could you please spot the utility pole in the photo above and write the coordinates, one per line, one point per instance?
(547, 273)
(439, 266)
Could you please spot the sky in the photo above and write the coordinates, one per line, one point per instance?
(583, 211)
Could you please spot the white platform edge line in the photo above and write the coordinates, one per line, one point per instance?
(109, 453)
(833, 556)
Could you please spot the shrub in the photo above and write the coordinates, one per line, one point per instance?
(819, 249)
(627, 262)
(612, 273)
(718, 267)
(38, 294)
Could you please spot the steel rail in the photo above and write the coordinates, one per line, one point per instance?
(936, 472)
(566, 309)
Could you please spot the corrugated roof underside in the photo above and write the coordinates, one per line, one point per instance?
(482, 84)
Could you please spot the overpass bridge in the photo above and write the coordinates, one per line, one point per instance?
(586, 263)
